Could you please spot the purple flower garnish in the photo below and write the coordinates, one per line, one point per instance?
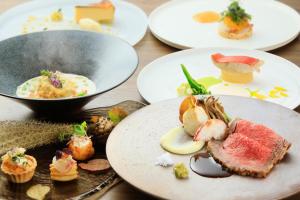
(55, 81)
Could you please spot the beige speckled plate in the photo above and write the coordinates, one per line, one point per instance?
(133, 146)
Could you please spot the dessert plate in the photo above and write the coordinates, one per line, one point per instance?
(133, 146)
(160, 79)
(130, 21)
(173, 24)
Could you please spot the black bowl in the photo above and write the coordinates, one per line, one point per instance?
(106, 60)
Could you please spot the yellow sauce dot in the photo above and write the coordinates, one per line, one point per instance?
(31, 18)
(278, 88)
(284, 94)
(207, 17)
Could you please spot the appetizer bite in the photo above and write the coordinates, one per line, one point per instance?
(237, 69)
(103, 11)
(81, 145)
(63, 167)
(17, 166)
(52, 85)
(235, 23)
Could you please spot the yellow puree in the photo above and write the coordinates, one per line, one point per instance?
(178, 142)
(207, 17)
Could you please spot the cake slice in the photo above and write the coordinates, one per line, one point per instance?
(103, 11)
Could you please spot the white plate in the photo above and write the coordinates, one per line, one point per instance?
(130, 21)
(159, 79)
(275, 24)
(133, 146)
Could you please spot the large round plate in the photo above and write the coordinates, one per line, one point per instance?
(130, 21)
(159, 80)
(133, 147)
(275, 24)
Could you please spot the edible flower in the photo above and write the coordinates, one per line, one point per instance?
(53, 78)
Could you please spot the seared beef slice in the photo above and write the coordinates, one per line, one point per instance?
(251, 150)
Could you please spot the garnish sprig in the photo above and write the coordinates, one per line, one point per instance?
(78, 130)
(236, 13)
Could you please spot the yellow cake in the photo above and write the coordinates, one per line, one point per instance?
(100, 12)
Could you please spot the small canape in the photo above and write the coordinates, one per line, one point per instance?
(81, 147)
(81, 144)
(237, 69)
(235, 23)
(17, 166)
(63, 167)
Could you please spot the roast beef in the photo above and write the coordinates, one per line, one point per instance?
(249, 150)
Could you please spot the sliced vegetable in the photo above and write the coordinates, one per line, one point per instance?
(95, 165)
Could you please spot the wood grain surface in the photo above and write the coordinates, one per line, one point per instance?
(148, 50)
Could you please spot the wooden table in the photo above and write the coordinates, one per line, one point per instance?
(148, 50)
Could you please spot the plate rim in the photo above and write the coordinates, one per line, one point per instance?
(27, 5)
(294, 67)
(182, 47)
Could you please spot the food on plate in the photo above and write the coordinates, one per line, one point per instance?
(235, 23)
(185, 89)
(213, 108)
(194, 117)
(100, 125)
(95, 165)
(237, 69)
(17, 166)
(89, 25)
(229, 89)
(117, 114)
(63, 167)
(38, 191)
(196, 87)
(52, 85)
(178, 142)
(237, 146)
(57, 16)
(195, 113)
(81, 144)
(249, 150)
(103, 11)
(164, 160)
(207, 17)
(212, 129)
(180, 171)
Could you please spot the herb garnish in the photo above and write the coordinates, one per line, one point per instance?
(53, 78)
(78, 130)
(236, 13)
(196, 87)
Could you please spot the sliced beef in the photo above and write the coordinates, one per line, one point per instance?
(250, 150)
